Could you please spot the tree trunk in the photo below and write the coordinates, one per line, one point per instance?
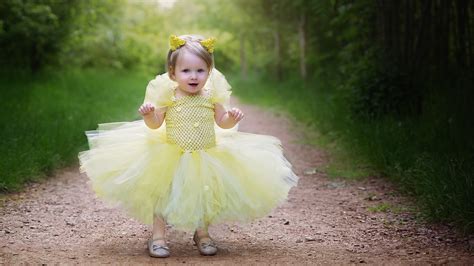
(444, 35)
(243, 58)
(277, 38)
(395, 31)
(35, 61)
(421, 38)
(461, 10)
(302, 42)
(409, 26)
(380, 24)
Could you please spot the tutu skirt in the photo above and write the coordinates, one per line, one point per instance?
(242, 178)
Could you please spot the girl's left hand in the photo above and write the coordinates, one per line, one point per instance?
(236, 114)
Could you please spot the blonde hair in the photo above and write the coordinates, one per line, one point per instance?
(193, 46)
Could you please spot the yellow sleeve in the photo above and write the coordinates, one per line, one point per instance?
(219, 87)
(160, 91)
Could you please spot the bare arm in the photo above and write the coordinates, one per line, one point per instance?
(227, 119)
(153, 117)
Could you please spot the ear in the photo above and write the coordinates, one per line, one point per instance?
(171, 73)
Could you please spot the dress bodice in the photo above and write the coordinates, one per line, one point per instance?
(190, 123)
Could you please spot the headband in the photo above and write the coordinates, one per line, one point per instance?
(176, 42)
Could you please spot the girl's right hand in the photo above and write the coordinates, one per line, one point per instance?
(146, 108)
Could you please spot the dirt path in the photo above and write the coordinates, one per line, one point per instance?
(325, 221)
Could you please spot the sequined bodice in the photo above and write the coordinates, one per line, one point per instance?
(190, 123)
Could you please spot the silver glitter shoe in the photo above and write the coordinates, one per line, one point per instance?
(158, 251)
(206, 247)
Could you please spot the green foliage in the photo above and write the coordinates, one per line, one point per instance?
(429, 158)
(380, 89)
(118, 35)
(47, 115)
(32, 32)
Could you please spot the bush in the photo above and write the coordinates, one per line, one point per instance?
(379, 90)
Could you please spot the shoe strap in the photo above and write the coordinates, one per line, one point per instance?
(207, 242)
(156, 247)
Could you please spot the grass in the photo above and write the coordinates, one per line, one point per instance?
(382, 207)
(44, 118)
(430, 157)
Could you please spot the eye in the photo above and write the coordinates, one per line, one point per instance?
(185, 70)
(201, 70)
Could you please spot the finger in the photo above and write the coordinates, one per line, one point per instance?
(143, 110)
(146, 107)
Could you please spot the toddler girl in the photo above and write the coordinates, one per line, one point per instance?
(185, 163)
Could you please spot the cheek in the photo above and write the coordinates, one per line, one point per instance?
(180, 76)
(204, 76)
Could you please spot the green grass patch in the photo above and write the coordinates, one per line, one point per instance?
(345, 165)
(397, 209)
(44, 118)
(382, 207)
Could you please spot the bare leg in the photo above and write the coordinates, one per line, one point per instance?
(159, 228)
(157, 245)
(202, 232)
(204, 242)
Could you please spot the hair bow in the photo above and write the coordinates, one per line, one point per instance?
(176, 42)
(209, 44)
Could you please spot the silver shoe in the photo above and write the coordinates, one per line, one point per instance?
(158, 251)
(206, 248)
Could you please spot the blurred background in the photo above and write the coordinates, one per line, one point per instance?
(385, 86)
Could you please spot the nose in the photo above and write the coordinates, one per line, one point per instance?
(193, 75)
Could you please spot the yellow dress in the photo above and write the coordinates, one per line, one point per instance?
(189, 170)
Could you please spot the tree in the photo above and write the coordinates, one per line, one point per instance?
(33, 31)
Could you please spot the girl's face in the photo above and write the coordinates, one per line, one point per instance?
(190, 72)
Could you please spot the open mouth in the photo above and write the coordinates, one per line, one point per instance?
(194, 85)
